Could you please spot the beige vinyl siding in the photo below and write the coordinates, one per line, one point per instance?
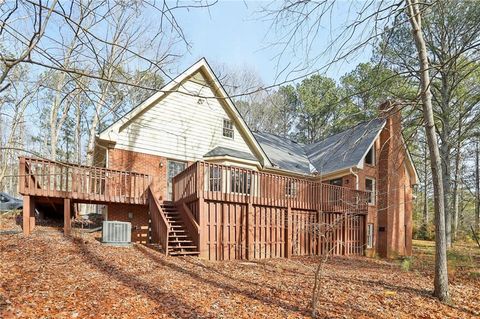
(180, 127)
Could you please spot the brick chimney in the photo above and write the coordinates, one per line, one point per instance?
(394, 194)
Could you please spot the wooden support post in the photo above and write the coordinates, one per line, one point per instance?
(319, 232)
(67, 227)
(288, 232)
(28, 215)
(344, 240)
(250, 240)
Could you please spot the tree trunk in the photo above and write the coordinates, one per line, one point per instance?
(425, 187)
(455, 191)
(446, 171)
(477, 186)
(441, 275)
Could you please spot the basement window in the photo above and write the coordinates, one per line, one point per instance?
(370, 189)
(370, 157)
(227, 128)
(369, 235)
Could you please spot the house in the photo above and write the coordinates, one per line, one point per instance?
(205, 184)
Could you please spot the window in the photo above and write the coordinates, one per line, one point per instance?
(337, 182)
(290, 188)
(3, 198)
(227, 128)
(370, 189)
(370, 157)
(240, 182)
(369, 235)
(215, 179)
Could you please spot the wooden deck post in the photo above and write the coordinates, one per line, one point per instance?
(250, 240)
(67, 227)
(28, 215)
(288, 232)
(202, 219)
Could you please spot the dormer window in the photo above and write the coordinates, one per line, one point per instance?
(370, 157)
(227, 128)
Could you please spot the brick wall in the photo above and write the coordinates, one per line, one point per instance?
(155, 166)
(392, 211)
(394, 191)
(135, 214)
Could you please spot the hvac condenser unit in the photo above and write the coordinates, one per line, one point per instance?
(117, 233)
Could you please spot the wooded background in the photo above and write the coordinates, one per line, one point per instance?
(67, 71)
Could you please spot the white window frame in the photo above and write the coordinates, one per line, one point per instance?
(370, 235)
(291, 188)
(228, 129)
(373, 193)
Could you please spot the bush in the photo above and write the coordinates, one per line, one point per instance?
(424, 232)
(406, 264)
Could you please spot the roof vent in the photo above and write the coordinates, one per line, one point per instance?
(117, 233)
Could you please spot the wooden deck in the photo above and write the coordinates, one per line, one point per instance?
(226, 212)
(44, 178)
(65, 183)
(237, 213)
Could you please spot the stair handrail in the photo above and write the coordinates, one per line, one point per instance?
(160, 224)
(191, 225)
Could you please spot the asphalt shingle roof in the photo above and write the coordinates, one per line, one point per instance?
(336, 152)
(345, 149)
(283, 152)
(225, 151)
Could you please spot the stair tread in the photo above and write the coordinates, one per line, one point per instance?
(183, 253)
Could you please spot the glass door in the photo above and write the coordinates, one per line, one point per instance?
(173, 169)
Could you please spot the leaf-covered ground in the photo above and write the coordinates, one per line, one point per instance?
(49, 276)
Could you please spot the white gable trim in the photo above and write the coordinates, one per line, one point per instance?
(111, 133)
(362, 160)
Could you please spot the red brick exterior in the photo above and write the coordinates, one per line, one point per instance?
(155, 166)
(394, 190)
(139, 218)
(391, 214)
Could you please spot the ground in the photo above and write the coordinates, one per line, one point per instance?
(49, 276)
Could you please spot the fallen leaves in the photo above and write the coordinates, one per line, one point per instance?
(49, 276)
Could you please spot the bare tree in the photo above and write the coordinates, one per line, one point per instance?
(300, 23)
(441, 275)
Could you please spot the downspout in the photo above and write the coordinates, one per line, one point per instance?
(356, 178)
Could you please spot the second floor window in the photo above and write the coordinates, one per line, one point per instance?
(336, 182)
(240, 182)
(227, 128)
(290, 188)
(215, 179)
(370, 157)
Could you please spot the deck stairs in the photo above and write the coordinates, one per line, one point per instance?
(179, 241)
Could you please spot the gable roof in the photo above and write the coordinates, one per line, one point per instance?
(346, 149)
(111, 132)
(337, 152)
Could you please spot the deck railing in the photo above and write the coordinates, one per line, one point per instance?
(235, 184)
(160, 228)
(40, 177)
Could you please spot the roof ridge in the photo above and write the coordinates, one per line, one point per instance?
(344, 130)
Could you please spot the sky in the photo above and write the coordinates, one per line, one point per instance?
(236, 33)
